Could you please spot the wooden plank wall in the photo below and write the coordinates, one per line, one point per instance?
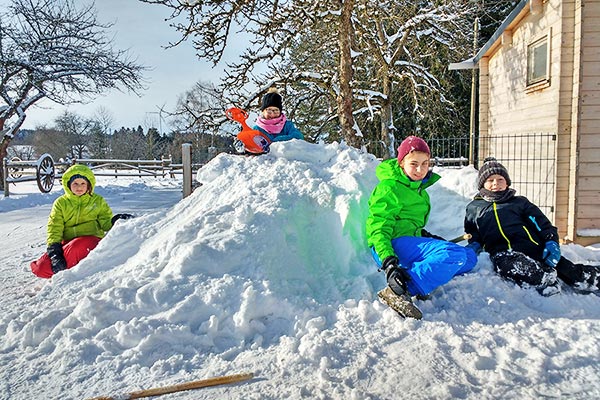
(513, 109)
(508, 107)
(588, 193)
(569, 106)
(568, 120)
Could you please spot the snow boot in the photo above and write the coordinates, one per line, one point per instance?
(402, 303)
(582, 277)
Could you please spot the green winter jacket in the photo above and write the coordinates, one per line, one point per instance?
(73, 216)
(398, 207)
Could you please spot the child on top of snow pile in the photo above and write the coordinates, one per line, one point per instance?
(415, 261)
(78, 220)
(273, 122)
(522, 242)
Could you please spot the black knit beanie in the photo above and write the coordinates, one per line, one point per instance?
(491, 167)
(77, 176)
(271, 99)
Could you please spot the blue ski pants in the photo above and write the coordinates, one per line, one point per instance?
(430, 262)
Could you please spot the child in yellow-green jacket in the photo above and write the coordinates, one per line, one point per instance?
(78, 220)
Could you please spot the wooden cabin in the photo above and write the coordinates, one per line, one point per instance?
(539, 109)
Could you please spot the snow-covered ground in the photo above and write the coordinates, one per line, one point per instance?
(264, 269)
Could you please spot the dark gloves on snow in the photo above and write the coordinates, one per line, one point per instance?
(427, 234)
(389, 262)
(117, 217)
(396, 275)
(551, 254)
(57, 257)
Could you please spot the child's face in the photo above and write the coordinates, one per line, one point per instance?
(79, 186)
(271, 112)
(495, 183)
(416, 165)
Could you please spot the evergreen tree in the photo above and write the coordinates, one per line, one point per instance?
(128, 144)
(99, 142)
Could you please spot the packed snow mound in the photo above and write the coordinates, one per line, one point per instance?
(234, 263)
(265, 268)
(294, 217)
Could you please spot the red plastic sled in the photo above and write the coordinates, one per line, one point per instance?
(254, 141)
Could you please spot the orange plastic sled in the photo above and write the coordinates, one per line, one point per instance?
(254, 140)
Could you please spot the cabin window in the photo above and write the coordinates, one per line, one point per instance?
(538, 61)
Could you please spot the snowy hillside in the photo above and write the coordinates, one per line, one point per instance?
(264, 269)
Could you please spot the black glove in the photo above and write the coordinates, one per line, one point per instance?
(390, 261)
(120, 216)
(396, 275)
(57, 257)
(426, 234)
(266, 148)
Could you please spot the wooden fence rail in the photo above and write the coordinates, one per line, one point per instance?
(44, 170)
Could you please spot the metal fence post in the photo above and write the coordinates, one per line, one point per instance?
(472, 122)
(186, 160)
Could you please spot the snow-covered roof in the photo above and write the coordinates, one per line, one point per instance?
(515, 15)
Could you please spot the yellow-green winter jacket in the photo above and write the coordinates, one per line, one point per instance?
(398, 207)
(74, 216)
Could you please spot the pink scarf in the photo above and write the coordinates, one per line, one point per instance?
(272, 126)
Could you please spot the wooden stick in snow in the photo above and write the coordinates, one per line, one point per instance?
(221, 380)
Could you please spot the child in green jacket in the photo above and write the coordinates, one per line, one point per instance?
(78, 220)
(414, 260)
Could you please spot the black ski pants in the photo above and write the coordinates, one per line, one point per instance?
(520, 268)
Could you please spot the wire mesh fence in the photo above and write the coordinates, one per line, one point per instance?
(531, 163)
(450, 152)
(530, 160)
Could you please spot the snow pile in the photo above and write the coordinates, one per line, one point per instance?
(264, 269)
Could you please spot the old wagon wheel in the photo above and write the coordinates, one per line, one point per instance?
(15, 172)
(45, 173)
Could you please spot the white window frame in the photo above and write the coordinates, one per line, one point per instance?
(538, 79)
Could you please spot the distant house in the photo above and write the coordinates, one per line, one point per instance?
(539, 109)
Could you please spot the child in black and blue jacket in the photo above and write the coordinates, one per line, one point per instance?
(522, 242)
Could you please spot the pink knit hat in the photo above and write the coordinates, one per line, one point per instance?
(412, 143)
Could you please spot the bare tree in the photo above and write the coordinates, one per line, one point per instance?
(346, 73)
(352, 59)
(52, 141)
(271, 28)
(78, 130)
(198, 107)
(400, 41)
(104, 118)
(52, 49)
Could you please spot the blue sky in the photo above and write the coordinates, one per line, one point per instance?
(142, 30)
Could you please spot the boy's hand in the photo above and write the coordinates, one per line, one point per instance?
(396, 278)
(427, 234)
(117, 217)
(57, 257)
(551, 254)
(395, 275)
(391, 261)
